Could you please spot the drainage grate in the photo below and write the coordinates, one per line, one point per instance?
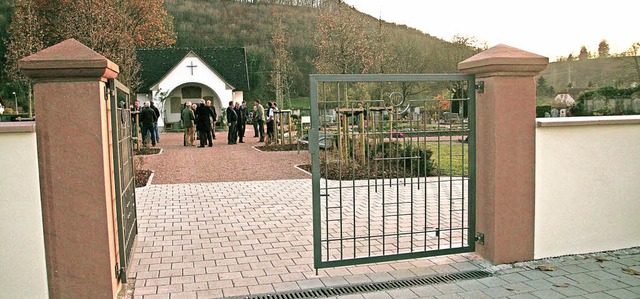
(373, 286)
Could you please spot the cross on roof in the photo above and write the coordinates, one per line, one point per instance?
(191, 66)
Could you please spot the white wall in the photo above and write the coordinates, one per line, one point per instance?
(202, 74)
(22, 256)
(587, 185)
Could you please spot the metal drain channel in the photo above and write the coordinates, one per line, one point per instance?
(373, 286)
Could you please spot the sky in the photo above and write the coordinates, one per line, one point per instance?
(552, 28)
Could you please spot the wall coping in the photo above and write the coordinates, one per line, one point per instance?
(587, 121)
(18, 127)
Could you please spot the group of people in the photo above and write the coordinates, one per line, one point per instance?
(147, 118)
(260, 117)
(200, 118)
(199, 122)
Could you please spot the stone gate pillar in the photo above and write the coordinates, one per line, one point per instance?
(505, 150)
(75, 169)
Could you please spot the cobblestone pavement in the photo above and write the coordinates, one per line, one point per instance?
(212, 240)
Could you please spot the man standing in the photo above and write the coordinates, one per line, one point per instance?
(242, 120)
(214, 119)
(258, 112)
(155, 124)
(147, 119)
(270, 123)
(187, 123)
(135, 110)
(203, 118)
(232, 119)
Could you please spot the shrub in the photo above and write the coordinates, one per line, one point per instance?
(540, 110)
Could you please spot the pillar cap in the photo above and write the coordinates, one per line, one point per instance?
(68, 59)
(503, 60)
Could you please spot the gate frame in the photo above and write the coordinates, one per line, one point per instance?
(125, 257)
(314, 149)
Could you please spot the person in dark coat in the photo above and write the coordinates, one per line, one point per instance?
(203, 124)
(242, 120)
(232, 120)
(155, 125)
(147, 119)
(214, 119)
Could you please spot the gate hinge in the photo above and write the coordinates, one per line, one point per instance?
(480, 238)
(480, 87)
(119, 271)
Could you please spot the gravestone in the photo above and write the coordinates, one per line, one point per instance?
(554, 112)
(547, 115)
(563, 112)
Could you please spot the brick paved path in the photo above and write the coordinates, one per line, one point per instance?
(221, 239)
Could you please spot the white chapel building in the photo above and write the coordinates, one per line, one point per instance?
(172, 77)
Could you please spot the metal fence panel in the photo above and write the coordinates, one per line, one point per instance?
(392, 167)
(123, 173)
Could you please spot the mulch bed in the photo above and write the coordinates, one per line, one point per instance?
(141, 176)
(282, 147)
(147, 151)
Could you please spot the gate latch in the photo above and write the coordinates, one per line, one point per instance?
(480, 238)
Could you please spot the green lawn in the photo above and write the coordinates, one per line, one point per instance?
(447, 158)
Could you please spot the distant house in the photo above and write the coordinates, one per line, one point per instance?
(181, 75)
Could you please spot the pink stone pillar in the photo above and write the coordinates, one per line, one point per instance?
(74, 160)
(505, 150)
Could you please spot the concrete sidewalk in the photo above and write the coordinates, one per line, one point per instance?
(213, 240)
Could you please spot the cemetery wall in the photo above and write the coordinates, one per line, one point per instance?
(21, 233)
(587, 171)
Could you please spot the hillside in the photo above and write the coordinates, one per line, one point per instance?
(597, 72)
(229, 23)
(250, 24)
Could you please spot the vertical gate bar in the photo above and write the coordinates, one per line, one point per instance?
(426, 180)
(315, 174)
(451, 226)
(353, 181)
(411, 164)
(472, 163)
(462, 175)
(439, 181)
(326, 169)
(117, 175)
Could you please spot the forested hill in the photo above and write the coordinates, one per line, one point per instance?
(251, 23)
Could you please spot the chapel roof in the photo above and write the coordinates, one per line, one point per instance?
(230, 63)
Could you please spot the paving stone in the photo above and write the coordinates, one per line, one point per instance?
(237, 291)
(523, 296)
(402, 293)
(497, 292)
(570, 291)
(473, 295)
(621, 293)
(599, 295)
(449, 288)
(547, 294)
(310, 284)
(377, 295)
(184, 295)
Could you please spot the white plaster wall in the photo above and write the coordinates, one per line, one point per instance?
(22, 256)
(587, 187)
(202, 74)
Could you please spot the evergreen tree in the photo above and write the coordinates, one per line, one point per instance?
(603, 49)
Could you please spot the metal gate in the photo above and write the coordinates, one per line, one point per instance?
(123, 173)
(392, 167)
